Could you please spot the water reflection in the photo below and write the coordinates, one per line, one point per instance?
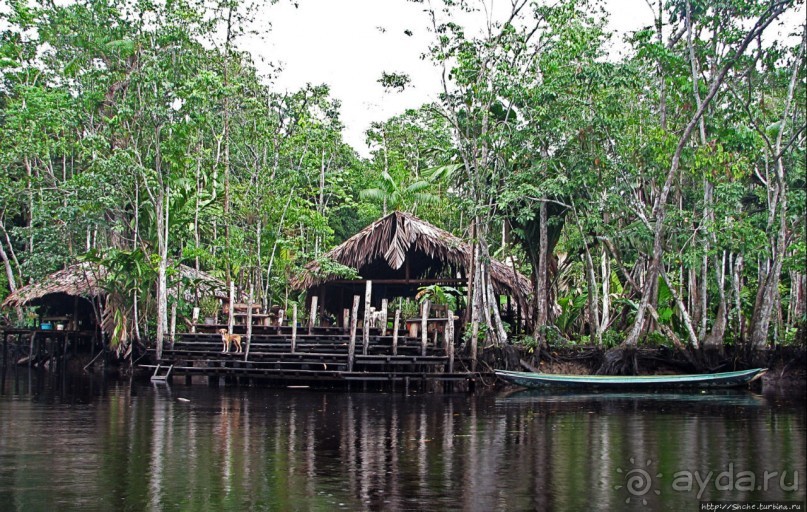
(99, 446)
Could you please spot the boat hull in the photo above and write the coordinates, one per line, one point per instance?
(696, 381)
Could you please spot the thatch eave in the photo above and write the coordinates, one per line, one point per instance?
(79, 280)
(85, 280)
(394, 237)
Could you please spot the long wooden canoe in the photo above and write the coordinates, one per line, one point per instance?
(707, 380)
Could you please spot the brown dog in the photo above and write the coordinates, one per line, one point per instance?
(228, 339)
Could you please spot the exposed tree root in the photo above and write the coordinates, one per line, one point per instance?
(619, 361)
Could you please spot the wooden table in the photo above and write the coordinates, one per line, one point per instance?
(413, 325)
(257, 318)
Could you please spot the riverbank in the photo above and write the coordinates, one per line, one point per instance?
(787, 366)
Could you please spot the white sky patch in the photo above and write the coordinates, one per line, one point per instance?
(347, 44)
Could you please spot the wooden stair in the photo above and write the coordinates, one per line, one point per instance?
(316, 357)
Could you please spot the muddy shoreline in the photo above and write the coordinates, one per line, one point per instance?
(787, 366)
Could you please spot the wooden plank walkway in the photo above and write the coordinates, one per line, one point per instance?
(319, 357)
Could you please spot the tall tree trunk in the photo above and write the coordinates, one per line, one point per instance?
(226, 141)
(768, 292)
(162, 208)
(135, 241)
(595, 327)
(606, 292)
(542, 306)
(660, 204)
(736, 282)
(687, 321)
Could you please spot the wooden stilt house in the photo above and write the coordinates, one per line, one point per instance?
(401, 254)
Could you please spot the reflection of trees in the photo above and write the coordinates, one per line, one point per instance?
(287, 450)
(276, 450)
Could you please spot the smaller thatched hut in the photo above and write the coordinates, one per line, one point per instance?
(74, 293)
(400, 253)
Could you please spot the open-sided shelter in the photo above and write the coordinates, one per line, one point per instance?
(75, 293)
(401, 253)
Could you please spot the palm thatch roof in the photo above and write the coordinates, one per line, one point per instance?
(85, 280)
(79, 280)
(398, 236)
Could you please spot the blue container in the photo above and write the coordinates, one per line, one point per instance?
(46, 326)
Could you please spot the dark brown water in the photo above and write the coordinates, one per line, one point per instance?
(85, 445)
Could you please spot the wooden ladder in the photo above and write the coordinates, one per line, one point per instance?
(162, 377)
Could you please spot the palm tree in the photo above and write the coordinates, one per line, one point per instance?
(395, 196)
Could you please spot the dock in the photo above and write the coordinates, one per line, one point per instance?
(277, 355)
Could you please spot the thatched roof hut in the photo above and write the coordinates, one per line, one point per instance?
(401, 252)
(79, 280)
(85, 280)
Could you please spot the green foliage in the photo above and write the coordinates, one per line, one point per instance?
(209, 307)
(394, 80)
(116, 115)
(330, 268)
(409, 308)
(529, 343)
(441, 296)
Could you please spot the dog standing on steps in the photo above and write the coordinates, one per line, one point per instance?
(228, 339)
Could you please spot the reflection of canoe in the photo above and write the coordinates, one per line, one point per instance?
(708, 380)
(576, 398)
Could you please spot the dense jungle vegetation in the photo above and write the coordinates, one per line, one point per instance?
(654, 195)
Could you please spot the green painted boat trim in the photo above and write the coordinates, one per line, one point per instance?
(542, 380)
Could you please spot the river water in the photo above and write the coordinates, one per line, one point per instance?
(83, 444)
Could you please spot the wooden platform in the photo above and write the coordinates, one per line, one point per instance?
(321, 357)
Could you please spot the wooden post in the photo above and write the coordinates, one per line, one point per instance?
(293, 327)
(173, 322)
(424, 316)
(351, 349)
(231, 313)
(384, 306)
(346, 319)
(395, 325)
(74, 319)
(449, 335)
(474, 338)
(31, 350)
(365, 333)
(195, 318)
(312, 314)
(249, 319)
(5, 350)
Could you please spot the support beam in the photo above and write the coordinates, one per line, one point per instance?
(195, 318)
(395, 326)
(365, 334)
(173, 333)
(351, 349)
(312, 314)
(424, 317)
(449, 340)
(249, 319)
(384, 306)
(231, 311)
(474, 337)
(293, 327)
